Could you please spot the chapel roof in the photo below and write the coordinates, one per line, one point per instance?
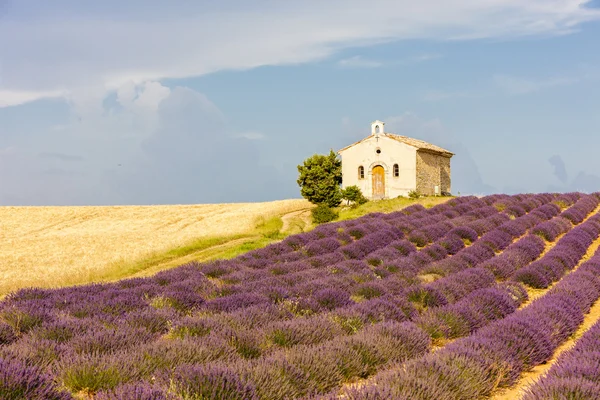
(419, 144)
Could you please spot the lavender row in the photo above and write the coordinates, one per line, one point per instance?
(563, 257)
(516, 256)
(574, 215)
(576, 373)
(331, 243)
(497, 354)
(311, 369)
(292, 248)
(498, 239)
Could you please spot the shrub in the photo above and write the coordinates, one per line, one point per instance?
(413, 194)
(353, 194)
(322, 213)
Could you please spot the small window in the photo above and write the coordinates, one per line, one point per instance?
(376, 128)
(378, 151)
(396, 170)
(361, 172)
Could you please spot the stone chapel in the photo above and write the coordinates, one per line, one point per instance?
(384, 165)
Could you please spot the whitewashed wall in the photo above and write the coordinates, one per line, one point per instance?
(392, 152)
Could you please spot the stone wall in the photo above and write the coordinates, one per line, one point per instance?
(445, 175)
(432, 170)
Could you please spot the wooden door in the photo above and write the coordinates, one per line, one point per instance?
(378, 182)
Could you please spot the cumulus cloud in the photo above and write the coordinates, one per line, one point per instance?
(51, 50)
(185, 153)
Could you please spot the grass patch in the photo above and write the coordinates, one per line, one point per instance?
(389, 205)
(124, 269)
(269, 228)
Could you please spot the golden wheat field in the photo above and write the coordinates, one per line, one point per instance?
(57, 246)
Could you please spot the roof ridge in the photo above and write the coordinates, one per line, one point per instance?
(417, 143)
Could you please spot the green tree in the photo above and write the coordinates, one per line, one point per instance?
(320, 179)
(354, 194)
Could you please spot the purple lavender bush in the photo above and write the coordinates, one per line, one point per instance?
(19, 381)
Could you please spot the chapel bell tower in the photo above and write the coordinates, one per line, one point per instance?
(377, 127)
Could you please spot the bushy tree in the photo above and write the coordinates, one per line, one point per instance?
(320, 179)
(354, 194)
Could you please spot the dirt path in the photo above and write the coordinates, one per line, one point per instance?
(296, 221)
(200, 255)
(293, 222)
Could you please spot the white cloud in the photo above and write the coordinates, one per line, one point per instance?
(17, 97)
(361, 62)
(252, 135)
(358, 62)
(50, 51)
(146, 96)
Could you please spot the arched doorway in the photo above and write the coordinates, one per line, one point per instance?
(378, 174)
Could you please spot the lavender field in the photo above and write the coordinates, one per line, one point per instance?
(452, 302)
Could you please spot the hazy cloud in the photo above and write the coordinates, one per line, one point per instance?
(560, 171)
(66, 47)
(515, 85)
(252, 135)
(361, 62)
(425, 57)
(149, 146)
(60, 156)
(585, 182)
(582, 182)
(358, 62)
(440, 95)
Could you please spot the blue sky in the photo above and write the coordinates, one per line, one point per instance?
(151, 102)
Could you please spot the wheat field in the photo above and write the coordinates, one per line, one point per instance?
(58, 246)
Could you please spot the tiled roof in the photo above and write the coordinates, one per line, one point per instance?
(419, 144)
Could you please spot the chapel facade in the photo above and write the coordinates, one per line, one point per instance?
(384, 165)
